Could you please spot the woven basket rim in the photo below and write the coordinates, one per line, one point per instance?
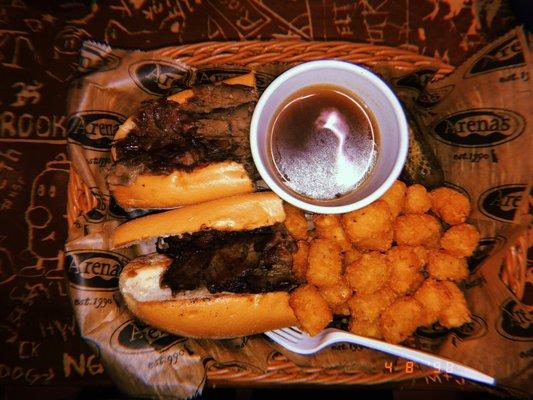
(280, 370)
(260, 51)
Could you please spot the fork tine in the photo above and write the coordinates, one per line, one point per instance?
(296, 331)
(288, 334)
(285, 335)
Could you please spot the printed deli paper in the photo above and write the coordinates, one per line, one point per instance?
(476, 120)
(479, 123)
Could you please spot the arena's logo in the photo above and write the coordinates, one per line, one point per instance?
(501, 202)
(430, 98)
(94, 269)
(159, 77)
(475, 329)
(481, 127)
(93, 58)
(516, 321)
(416, 80)
(436, 334)
(134, 337)
(508, 54)
(486, 246)
(94, 128)
(115, 210)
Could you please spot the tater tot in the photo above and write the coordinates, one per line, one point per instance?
(368, 274)
(295, 222)
(443, 266)
(417, 200)
(299, 261)
(337, 294)
(367, 222)
(329, 226)
(451, 206)
(457, 313)
(310, 309)
(351, 255)
(417, 230)
(405, 275)
(395, 198)
(460, 240)
(369, 306)
(324, 266)
(365, 328)
(381, 242)
(400, 319)
(434, 297)
(342, 309)
(422, 254)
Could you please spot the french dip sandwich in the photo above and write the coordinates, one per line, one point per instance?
(187, 148)
(222, 268)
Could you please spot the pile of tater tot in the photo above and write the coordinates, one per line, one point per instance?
(389, 267)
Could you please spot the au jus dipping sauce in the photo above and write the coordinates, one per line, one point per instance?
(324, 142)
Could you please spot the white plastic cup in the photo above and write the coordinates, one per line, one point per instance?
(368, 87)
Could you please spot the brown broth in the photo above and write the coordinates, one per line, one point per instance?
(324, 142)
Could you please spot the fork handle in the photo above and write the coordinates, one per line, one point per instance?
(430, 360)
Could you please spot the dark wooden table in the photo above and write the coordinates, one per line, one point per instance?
(39, 43)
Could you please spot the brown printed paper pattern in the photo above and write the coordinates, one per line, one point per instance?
(145, 360)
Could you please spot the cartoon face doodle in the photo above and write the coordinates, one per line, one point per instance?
(46, 216)
(6, 265)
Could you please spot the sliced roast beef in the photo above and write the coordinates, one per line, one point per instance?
(255, 261)
(211, 97)
(212, 126)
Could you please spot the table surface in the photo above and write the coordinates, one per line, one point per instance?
(39, 44)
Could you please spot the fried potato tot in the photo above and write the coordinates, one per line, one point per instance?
(329, 226)
(295, 222)
(368, 307)
(460, 240)
(365, 328)
(310, 309)
(368, 274)
(299, 261)
(337, 294)
(457, 313)
(342, 309)
(422, 254)
(417, 200)
(400, 319)
(417, 230)
(381, 242)
(443, 266)
(451, 206)
(434, 297)
(395, 198)
(324, 266)
(405, 271)
(351, 255)
(368, 222)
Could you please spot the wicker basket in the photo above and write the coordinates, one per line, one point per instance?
(280, 370)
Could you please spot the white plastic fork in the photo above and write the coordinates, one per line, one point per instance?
(295, 340)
